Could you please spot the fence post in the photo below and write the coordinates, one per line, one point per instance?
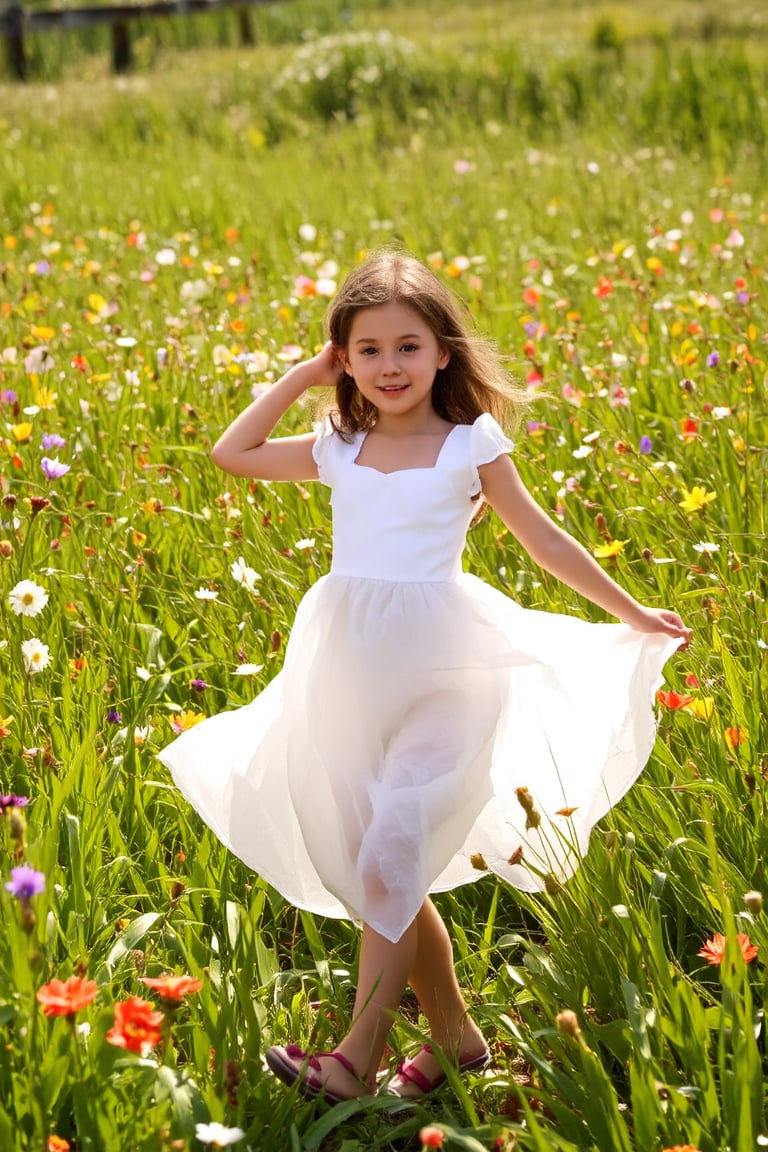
(122, 51)
(17, 61)
(246, 28)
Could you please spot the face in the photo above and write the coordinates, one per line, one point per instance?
(393, 356)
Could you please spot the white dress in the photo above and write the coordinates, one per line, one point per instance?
(382, 763)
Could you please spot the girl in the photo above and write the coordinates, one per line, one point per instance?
(425, 728)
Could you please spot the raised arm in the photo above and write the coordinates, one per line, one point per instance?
(558, 553)
(245, 449)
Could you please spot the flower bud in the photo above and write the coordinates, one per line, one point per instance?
(754, 902)
(6, 549)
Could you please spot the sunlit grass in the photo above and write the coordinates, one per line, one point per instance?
(153, 233)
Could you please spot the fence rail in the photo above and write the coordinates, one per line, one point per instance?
(16, 21)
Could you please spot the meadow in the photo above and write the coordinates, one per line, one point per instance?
(590, 180)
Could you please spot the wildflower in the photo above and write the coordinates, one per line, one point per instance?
(35, 655)
(10, 801)
(206, 594)
(243, 574)
(38, 504)
(5, 726)
(706, 547)
(526, 802)
(646, 445)
(673, 700)
(701, 707)
(610, 549)
(735, 736)
(198, 685)
(754, 902)
(217, 1134)
(183, 721)
(714, 949)
(689, 428)
(431, 1137)
(173, 987)
(696, 499)
(54, 469)
(52, 440)
(25, 882)
(66, 997)
(713, 359)
(57, 1144)
(681, 1148)
(27, 598)
(136, 1027)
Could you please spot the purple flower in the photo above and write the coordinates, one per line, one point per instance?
(198, 685)
(742, 297)
(8, 396)
(53, 469)
(12, 801)
(25, 882)
(713, 359)
(531, 328)
(53, 440)
(646, 444)
(42, 267)
(114, 718)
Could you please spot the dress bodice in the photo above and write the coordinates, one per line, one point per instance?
(409, 525)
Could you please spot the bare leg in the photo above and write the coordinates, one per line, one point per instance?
(383, 970)
(433, 979)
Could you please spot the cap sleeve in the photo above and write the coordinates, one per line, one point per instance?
(321, 448)
(486, 442)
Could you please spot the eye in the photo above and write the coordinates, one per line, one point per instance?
(367, 351)
(410, 348)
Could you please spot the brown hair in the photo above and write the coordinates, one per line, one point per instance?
(474, 380)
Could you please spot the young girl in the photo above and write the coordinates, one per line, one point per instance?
(425, 728)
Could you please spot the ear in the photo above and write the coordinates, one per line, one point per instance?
(341, 353)
(444, 360)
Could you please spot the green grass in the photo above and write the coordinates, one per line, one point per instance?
(611, 204)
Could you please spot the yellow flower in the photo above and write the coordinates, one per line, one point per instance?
(5, 725)
(182, 721)
(701, 707)
(22, 432)
(138, 539)
(45, 398)
(696, 499)
(612, 548)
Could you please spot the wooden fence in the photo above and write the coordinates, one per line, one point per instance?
(16, 21)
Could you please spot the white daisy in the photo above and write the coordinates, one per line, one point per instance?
(206, 594)
(27, 598)
(217, 1134)
(243, 574)
(35, 655)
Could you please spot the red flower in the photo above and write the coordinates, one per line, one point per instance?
(714, 949)
(173, 987)
(136, 1027)
(735, 736)
(604, 287)
(431, 1137)
(66, 997)
(57, 1144)
(673, 700)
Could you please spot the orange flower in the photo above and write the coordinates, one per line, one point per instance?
(136, 1027)
(673, 700)
(689, 428)
(57, 1144)
(734, 737)
(681, 1148)
(173, 987)
(66, 997)
(714, 949)
(604, 287)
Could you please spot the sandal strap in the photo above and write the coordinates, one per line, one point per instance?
(293, 1052)
(409, 1071)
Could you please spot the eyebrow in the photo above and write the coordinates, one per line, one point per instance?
(373, 340)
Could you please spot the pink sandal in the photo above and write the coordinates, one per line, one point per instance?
(283, 1061)
(408, 1073)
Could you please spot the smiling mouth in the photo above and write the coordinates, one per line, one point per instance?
(389, 388)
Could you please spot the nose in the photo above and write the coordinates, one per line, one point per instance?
(391, 366)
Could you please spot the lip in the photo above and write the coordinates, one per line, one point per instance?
(392, 388)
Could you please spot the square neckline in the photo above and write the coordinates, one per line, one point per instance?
(396, 471)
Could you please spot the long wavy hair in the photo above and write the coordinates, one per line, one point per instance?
(473, 381)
